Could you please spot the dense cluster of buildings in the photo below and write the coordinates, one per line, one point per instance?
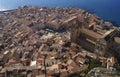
(49, 42)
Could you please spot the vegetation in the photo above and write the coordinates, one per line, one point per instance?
(93, 64)
(18, 75)
(118, 68)
(77, 74)
(56, 75)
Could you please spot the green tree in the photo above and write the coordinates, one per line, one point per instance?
(18, 76)
(93, 63)
(118, 68)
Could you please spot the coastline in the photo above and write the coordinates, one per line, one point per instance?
(91, 11)
(30, 40)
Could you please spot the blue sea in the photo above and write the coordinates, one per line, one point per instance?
(106, 9)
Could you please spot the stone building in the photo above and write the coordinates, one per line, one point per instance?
(96, 38)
